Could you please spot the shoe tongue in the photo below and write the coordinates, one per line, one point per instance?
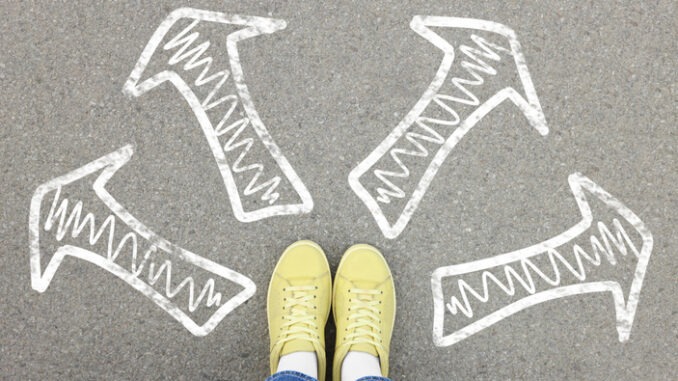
(364, 285)
(297, 346)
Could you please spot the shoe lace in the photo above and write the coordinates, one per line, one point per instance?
(300, 321)
(364, 318)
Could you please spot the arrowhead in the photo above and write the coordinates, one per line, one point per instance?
(107, 165)
(254, 26)
(470, 63)
(625, 306)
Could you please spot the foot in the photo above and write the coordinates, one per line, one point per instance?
(298, 303)
(363, 306)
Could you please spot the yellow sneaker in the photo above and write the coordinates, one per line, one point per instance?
(363, 306)
(298, 303)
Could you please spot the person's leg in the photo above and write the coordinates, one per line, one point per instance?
(359, 364)
(298, 306)
(364, 313)
(304, 362)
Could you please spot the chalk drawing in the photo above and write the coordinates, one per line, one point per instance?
(462, 112)
(520, 275)
(225, 134)
(125, 237)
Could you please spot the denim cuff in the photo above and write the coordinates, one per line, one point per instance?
(290, 375)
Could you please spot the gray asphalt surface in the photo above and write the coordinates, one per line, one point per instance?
(330, 87)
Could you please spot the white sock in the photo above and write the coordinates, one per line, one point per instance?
(302, 362)
(359, 364)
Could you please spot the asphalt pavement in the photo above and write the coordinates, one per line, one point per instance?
(516, 163)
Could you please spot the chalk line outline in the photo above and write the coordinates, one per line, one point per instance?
(625, 308)
(528, 105)
(255, 26)
(108, 165)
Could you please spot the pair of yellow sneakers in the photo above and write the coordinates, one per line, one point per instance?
(300, 294)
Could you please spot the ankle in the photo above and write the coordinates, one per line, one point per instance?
(302, 362)
(357, 365)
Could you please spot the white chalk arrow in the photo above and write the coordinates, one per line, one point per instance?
(123, 246)
(452, 105)
(226, 113)
(552, 269)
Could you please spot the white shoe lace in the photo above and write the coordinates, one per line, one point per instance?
(301, 323)
(364, 318)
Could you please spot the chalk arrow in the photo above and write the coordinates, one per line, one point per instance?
(561, 266)
(217, 94)
(120, 244)
(465, 88)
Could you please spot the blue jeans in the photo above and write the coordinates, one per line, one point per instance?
(289, 375)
